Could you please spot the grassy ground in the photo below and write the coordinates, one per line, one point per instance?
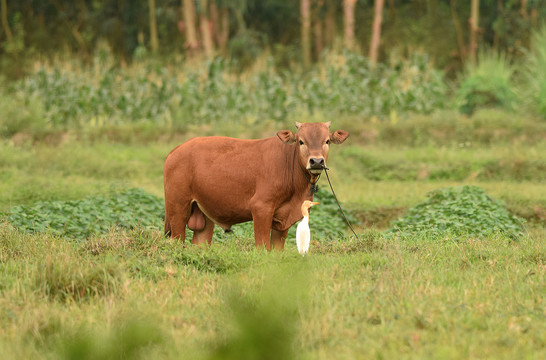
(135, 294)
(376, 298)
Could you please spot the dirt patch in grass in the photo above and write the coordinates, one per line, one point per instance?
(379, 218)
(534, 214)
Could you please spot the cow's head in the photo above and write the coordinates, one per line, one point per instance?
(313, 141)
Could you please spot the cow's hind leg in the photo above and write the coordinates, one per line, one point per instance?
(176, 218)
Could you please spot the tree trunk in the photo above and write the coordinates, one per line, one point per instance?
(154, 43)
(206, 31)
(474, 18)
(224, 33)
(220, 27)
(376, 31)
(5, 23)
(432, 8)
(349, 23)
(330, 23)
(496, 37)
(317, 29)
(215, 22)
(305, 12)
(458, 29)
(189, 25)
(534, 16)
(392, 11)
(523, 11)
(82, 12)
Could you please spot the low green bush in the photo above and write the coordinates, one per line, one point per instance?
(82, 219)
(458, 211)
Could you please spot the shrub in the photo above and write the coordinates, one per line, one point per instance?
(458, 211)
(535, 72)
(487, 83)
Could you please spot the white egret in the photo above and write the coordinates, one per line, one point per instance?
(303, 234)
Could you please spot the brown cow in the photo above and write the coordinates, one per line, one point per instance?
(226, 181)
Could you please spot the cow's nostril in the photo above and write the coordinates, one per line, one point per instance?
(316, 162)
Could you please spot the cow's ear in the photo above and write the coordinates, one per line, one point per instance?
(287, 136)
(339, 136)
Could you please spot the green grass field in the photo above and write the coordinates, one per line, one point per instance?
(130, 293)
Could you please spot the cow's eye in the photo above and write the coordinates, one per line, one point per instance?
(328, 142)
(301, 142)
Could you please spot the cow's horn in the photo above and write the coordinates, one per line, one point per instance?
(298, 124)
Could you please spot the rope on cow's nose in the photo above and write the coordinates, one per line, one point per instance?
(314, 185)
(338, 204)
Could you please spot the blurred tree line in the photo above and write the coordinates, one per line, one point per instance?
(295, 32)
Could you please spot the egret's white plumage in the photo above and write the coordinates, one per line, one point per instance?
(303, 233)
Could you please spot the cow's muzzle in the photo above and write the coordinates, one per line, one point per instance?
(316, 165)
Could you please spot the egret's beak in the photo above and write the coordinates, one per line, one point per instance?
(314, 203)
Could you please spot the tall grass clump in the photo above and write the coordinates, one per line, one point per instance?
(487, 83)
(535, 73)
(459, 211)
(128, 339)
(262, 323)
(63, 278)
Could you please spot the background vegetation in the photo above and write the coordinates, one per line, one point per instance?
(91, 104)
(242, 30)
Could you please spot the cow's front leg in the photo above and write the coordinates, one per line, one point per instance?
(278, 238)
(262, 215)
